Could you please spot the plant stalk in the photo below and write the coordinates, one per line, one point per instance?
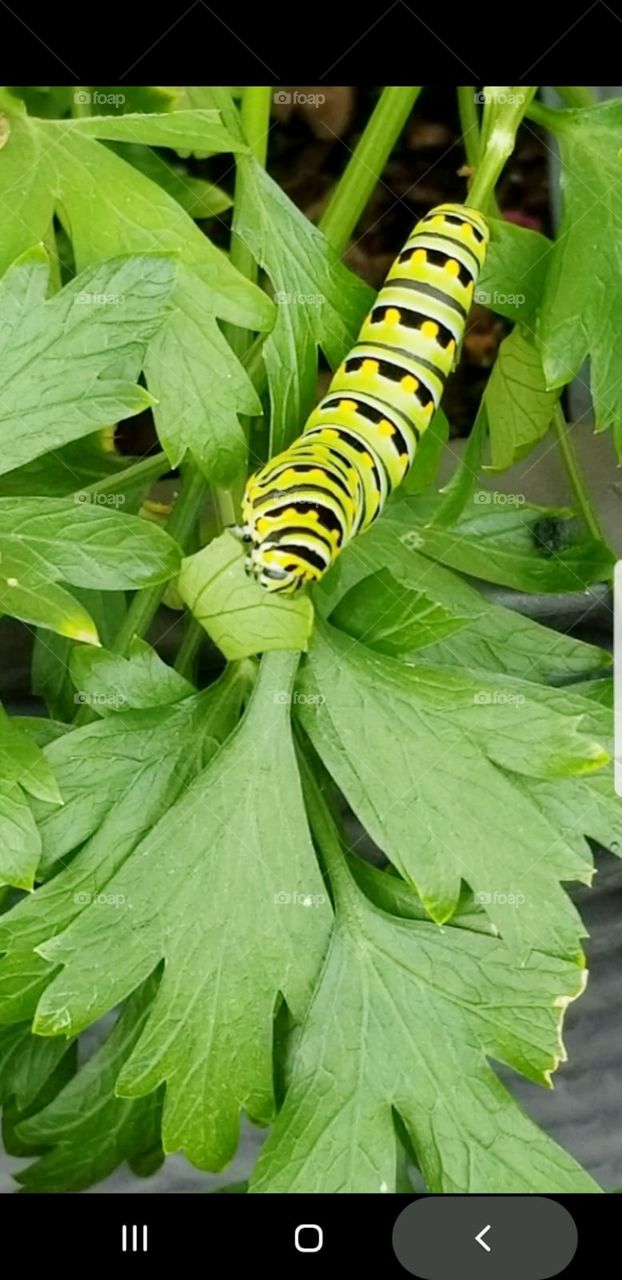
(575, 476)
(574, 95)
(503, 111)
(366, 164)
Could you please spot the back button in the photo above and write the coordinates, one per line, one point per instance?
(500, 1237)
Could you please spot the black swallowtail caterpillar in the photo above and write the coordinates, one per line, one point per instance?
(307, 503)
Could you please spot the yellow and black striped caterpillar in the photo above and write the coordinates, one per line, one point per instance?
(307, 503)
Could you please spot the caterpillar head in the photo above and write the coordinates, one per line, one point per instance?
(272, 566)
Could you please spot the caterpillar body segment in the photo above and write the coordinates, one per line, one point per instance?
(307, 503)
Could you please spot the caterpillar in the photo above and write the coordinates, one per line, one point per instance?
(308, 502)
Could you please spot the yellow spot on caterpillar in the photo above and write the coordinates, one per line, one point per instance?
(452, 267)
(370, 366)
(451, 347)
(347, 406)
(367, 459)
(429, 329)
(409, 383)
(329, 433)
(419, 257)
(385, 428)
(438, 220)
(392, 316)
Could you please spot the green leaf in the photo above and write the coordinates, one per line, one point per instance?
(26, 1064)
(57, 355)
(26, 183)
(195, 129)
(200, 199)
(320, 302)
(519, 406)
(22, 761)
(444, 811)
(514, 272)
(239, 915)
(72, 468)
(51, 652)
(49, 101)
(391, 618)
(586, 806)
(581, 310)
(502, 538)
(424, 470)
(23, 978)
(27, 593)
(41, 729)
(237, 613)
(455, 494)
(108, 206)
(87, 1129)
(19, 838)
(404, 1020)
(135, 97)
(496, 640)
(23, 768)
(200, 386)
(143, 761)
(109, 683)
(88, 546)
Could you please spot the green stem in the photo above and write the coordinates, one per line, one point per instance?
(503, 112)
(49, 241)
(553, 118)
(574, 95)
(469, 123)
(471, 138)
(80, 109)
(315, 785)
(179, 525)
(185, 662)
(366, 164)
(254, 122)
(456, 493)
(574, 473)
(138, 473)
